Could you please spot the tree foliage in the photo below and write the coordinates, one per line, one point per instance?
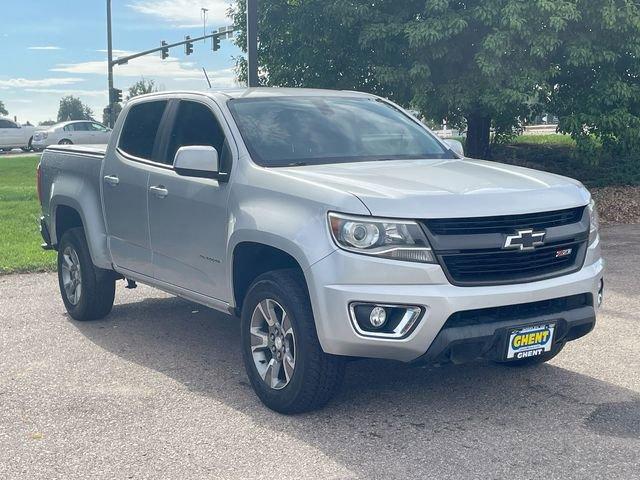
(595, 86)
(142, 87)
(72, 108)
(479, 63)
(3, 109)
(47, 123)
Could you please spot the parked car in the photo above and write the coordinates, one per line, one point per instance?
(77, 132)
(334, 224)
(13, 135)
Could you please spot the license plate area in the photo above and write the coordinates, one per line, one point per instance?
(530, 341)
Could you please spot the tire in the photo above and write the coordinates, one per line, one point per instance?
(531, 361)
(315, 375)
(65, 141)
(29, 146)
(97, 287)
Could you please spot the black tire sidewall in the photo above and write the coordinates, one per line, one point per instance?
(98, 288)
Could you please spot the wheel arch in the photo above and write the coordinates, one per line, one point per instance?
(251, 259)
(68, 212)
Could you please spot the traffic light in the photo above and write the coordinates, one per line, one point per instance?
(115, 95)
(165, 50)
(188, 47)
(215, 41)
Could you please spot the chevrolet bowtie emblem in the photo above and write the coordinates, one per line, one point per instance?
(524, 239)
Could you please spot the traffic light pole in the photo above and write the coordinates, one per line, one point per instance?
(252, 43)
(115, 95)
(110, 62)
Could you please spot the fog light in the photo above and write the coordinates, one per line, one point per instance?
(384, 320)
(378, 317)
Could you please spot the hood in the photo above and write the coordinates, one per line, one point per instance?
(446, 188)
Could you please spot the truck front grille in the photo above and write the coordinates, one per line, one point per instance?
(504, 266)
(471, 250)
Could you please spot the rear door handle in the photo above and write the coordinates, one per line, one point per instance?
(159, 191)
(112, 180)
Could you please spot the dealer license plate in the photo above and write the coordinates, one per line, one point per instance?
(530, 341)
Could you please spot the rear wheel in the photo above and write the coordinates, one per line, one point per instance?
(65, 141)
(285, 363)
(87, 291)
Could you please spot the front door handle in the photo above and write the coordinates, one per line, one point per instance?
(159, 191)
(112, 180)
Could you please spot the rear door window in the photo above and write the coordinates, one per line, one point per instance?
(140, 129)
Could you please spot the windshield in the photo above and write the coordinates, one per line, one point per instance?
(284, 131)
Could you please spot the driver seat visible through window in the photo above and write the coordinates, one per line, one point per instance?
(195, 124)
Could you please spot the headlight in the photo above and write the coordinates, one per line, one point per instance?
(381, 237)
(594, 222)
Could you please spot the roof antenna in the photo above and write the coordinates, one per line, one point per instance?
(206, 76)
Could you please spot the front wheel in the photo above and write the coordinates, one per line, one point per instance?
(65, 141)
(285, 363)
(87, 291)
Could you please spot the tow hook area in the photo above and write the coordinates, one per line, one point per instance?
(131, 283)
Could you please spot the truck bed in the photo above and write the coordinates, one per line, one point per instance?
(98, 150)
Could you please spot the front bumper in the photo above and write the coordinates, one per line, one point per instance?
(343, 277)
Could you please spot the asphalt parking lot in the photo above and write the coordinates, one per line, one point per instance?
(157, 390)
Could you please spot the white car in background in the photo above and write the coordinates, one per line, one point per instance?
(13, 135)
(77, 132)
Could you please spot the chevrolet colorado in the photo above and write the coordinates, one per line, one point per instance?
(334, 224)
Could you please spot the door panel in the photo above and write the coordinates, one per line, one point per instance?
(125, 178)
(125, 205)
(10, 135)
(188, 232)
(188, 225)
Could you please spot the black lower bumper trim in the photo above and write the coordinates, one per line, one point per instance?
(487, 340)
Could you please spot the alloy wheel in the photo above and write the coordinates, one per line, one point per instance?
(71, 275)
(273, 343)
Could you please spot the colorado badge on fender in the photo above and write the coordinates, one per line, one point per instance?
(530, 341)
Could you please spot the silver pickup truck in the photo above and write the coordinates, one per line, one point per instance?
(333, 224)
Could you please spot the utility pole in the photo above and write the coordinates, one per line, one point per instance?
(110, 63)
(203, 13)
(252, 43)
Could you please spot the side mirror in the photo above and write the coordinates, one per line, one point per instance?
(455, 145)
(197, 161)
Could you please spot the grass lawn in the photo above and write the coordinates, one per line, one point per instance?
(550, 140)
(19, 213)
(556, 153)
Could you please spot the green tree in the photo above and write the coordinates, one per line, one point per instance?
(3, 110)
(595, 86)
(117, 108)
(47, 123)
(142, 87)
(477, 63)
(72, 108)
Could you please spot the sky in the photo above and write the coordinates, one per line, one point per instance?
(53, 48)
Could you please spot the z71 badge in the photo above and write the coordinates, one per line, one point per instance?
(530, 341)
